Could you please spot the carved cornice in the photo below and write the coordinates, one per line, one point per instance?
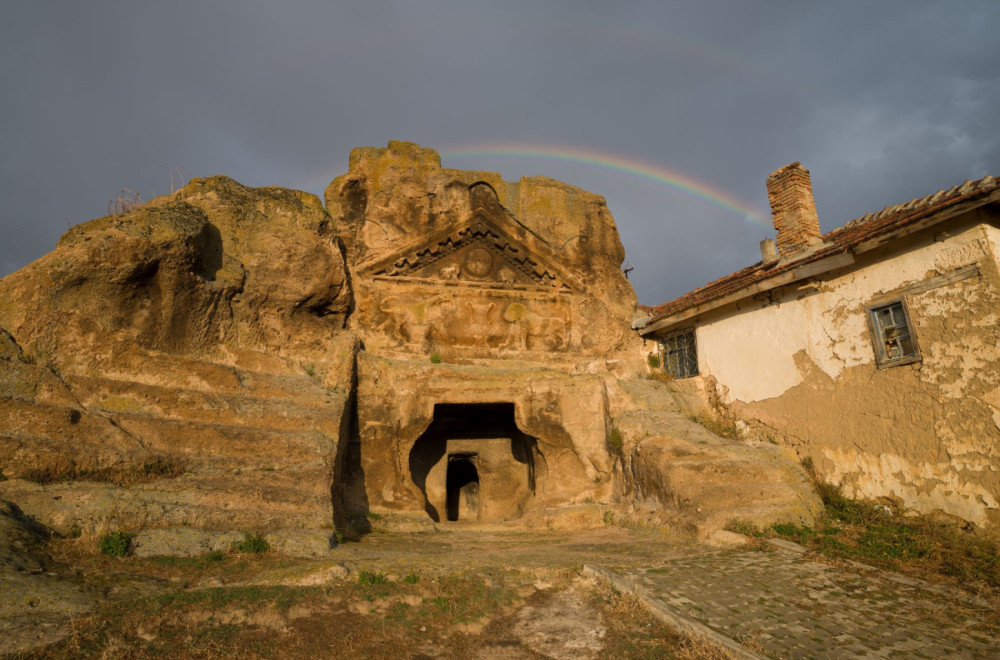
(482, 233)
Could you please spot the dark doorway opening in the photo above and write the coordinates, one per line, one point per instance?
(474, 454)
(462, 484)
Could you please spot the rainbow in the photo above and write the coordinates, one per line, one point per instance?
(633, 166)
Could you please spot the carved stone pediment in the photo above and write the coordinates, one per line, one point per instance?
(477, 254)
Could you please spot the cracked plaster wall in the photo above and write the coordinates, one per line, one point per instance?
(926, 435)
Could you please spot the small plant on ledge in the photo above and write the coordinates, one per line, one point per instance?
(252, 544)
(115, 544)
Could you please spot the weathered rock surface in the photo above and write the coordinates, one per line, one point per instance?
(194, 367)
(564, 627)
(181, 364)
(674, 469)
(466, 265)
(35, 600)
(181, 542)
(214, 266)
(413, 415)
(193, 541)
(21, 544)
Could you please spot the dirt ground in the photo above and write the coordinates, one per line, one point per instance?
(482, 593)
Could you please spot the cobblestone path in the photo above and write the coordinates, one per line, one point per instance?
(797, 608)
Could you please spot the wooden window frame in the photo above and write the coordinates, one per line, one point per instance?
(882, 360)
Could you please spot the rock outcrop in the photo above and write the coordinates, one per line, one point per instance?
(674, 470)
(434, 343)
(36, 602)
(466, 265)
(183, 363)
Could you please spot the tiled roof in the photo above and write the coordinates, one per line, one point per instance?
(837, 241)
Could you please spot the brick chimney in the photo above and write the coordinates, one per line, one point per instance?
(793, 209)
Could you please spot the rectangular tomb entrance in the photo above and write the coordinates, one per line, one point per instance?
(462, 485)
(473, 463)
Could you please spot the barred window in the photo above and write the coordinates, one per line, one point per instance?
(680, 354)
(892, 334)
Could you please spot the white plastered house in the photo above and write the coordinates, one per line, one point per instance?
(873, 350)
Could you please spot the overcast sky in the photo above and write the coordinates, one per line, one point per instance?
(882, 101)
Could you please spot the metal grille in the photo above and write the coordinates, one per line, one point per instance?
(893, 330)
(680, 355)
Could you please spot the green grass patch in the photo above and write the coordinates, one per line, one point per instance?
(188, 563)
(253, 543)
(916, 545)
(371, 578)
(892, 541)
(399, 613)
(746, 528)
(846, 509)
(465, 599)
(115, 544)
(801, 535)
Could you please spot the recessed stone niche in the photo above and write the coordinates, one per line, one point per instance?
(473, 463)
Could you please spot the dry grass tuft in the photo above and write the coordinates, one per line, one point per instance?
(627, 606)
(699, 648)
(720, 426)
(159, 467)
(125, 202)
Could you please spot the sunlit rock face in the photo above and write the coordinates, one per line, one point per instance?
(452, 269)
(470, 267)
(181, 363)
(435, 343)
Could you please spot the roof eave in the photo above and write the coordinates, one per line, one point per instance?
(816, 268)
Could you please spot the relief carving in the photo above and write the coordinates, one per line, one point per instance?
(478, 253)
(497, 324)
(478, 263)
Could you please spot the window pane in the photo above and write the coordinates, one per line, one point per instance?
(892, 328)
(680, 356)
(884, 317)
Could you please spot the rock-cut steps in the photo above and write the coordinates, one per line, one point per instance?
(254, 449)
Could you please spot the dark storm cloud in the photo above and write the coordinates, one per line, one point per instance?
(881, 101)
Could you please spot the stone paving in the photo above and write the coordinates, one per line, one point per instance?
(797, 608)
